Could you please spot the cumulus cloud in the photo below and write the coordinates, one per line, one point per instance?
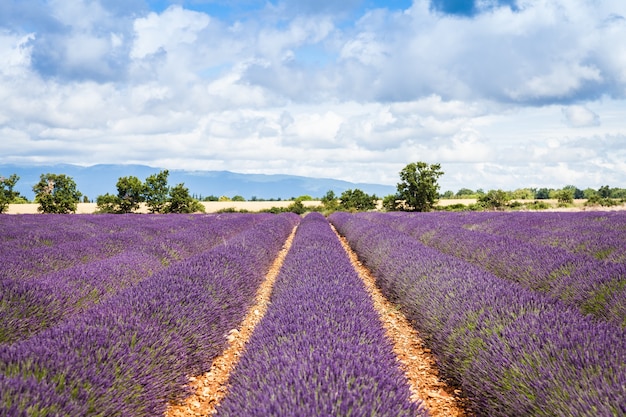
(580, 116)
(166, 31)
(498, 92)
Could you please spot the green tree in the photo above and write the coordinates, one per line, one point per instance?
(542, 194)
(494, 199)
(577, 192)
(330, 201)
(181, 202)
(7, 195)
(564, 196)
(604, 191)
(589, 193)
(296, 207)
(304, 197)
(418, 187)
(56, 193)
(391, 202)
(357, 200)
(465, 192)
(156, 192)
(130, 194)
(618, 193)
(108, 203)
(238, 198)
(523, 194)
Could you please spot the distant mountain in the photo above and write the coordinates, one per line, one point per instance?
(97, 180)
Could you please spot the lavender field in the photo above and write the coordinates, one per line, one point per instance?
(131, 350)
(109, 315)
(516, 348)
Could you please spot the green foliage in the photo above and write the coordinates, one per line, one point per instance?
(604, 191)
(455, 207)
(130, 193)
(494, 199)
(576, 192)
(418, 188)
(357, 200)
(597, 200)
(159, 198)
(56, 193)
(19, 199)
(238, 198)
(7, 195)
(107, 203)
(542, 194)
(390, 202)
(232, 210)
(156, 192)
(330, 202)
(463, 192)
(538, 205)
(618, 193)
(181, 202)
(304, 197)
(523, 194)
(296, 207)
(565, 196)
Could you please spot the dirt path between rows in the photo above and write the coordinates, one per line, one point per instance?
(416, 361)
(210, 388)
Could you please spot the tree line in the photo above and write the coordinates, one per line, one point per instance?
(58, 193)
(418, 190)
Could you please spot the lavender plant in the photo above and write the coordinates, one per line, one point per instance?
(512, 350)
(28, 305)
(597, 234)
(320, 350)
(132, 353)
(579, 279)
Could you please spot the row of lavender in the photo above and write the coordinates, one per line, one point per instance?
(593, 286)
(31, 245)
(130, 354)
(320, 350)
(135, 248)
(594, 233)
(513, 351)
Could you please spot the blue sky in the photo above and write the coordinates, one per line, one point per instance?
(503, 93)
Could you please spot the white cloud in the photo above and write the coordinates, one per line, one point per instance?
(500, 99)
(81, 15)
(16, 51)
(166, 31)
(314, 130)
(580, 116)
(563, 81)
(364, 48)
